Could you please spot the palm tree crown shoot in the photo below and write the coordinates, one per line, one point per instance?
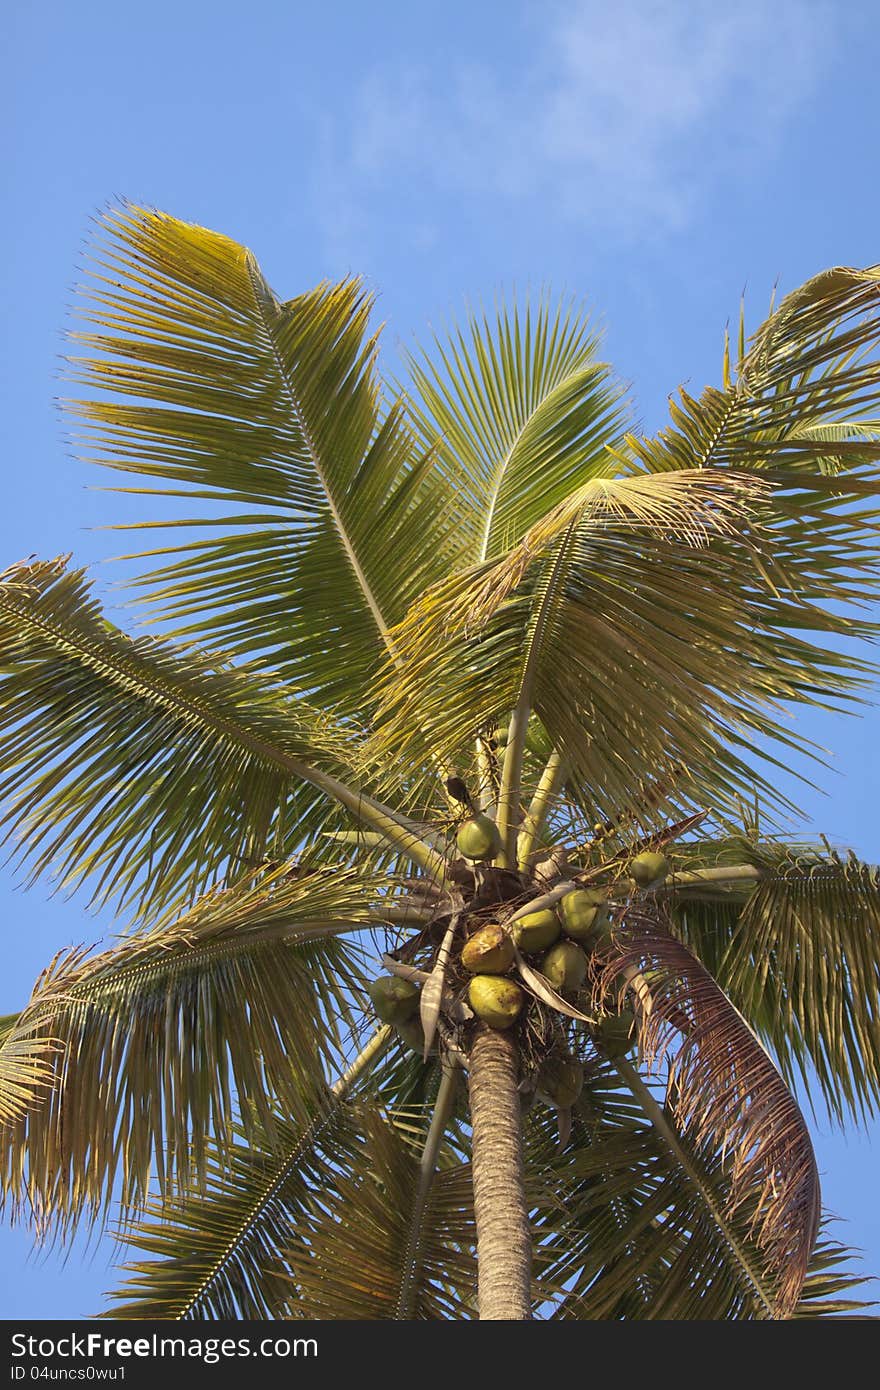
(466, 966)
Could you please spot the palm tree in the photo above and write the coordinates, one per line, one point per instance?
(475, 680)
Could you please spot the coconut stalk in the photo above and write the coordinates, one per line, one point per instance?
(511, 776)
(504, 1244)
(552, 778)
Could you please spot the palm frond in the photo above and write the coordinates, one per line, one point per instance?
(522, 411)
(267, 417)
(627, 1227)
(830, 1281)
(659, 646)
(798, 951)
(726, 1093)
(219, 1253)
(25, 1068)
(812, 365)
(642, 649)
(242, 997)
(145, 766)
(357, 1257)
(624, 1231)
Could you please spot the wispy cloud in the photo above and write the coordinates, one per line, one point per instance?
(613, 113)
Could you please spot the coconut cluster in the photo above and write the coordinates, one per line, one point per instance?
(559, 940)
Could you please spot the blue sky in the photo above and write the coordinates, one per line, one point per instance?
(655, 158)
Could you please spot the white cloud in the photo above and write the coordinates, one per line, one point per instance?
(618, 111)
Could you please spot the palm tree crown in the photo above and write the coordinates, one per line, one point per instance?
(473, 679)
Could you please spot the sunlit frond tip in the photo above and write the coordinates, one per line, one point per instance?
(26, 1069)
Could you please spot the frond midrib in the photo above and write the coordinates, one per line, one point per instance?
(205, 954)
(336, 1097)
(165, 695)
(504, 463)
(725, 1230)
(315, 457)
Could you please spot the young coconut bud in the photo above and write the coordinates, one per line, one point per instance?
(565, 966)
(649, 868)
(583, 913)
(488, 952)
(394, 1000)
(616, 1033)
(537, 739)
(478, 838)
(536, 930)
(497, 1001)
(560, 1081)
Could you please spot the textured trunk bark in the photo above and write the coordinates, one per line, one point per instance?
(504, 1246)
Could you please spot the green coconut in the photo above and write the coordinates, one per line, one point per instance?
(649, 868)
(500, 735)
(478, 838)
(560, 1081)
(394, 1000)
(497, 1001)
(537, 930)
(413, 1034)
(488, 952)
(565, 966)
(583, 913)
(616, 1033)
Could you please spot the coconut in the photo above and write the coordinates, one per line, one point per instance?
(488, 952)
(560, 1081)
(616, 1033)
(413, 1034)
(394, 1000)
(478, 838)
(537, 930)
(583, 913)
(497, 1001)
(649, 868)
(565, 966)
(500, 735)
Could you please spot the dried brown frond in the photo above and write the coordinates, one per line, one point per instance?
(726, 1093)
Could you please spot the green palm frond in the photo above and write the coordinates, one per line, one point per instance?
(146, 766)
(830, 1282)
(522, 411)
(839, 431)
(798, 950)
(624, 1231)
(246, 995)
(359, 1253)
(267, 417)
(220, 1253)
(667, 643)
(639, 651)
(812, 365)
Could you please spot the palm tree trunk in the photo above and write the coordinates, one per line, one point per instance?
(504, 1246)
